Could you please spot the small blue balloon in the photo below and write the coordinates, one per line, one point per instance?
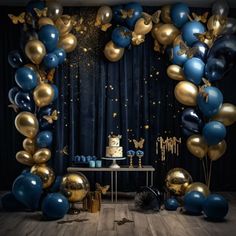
(121, 36)
(49, 35)
(24, 101)
(61, 55)
(212, 104)
(215, 207)
(214, 132)
(27, 189)
(44, 139)
(201, 50)
(171, 204)
(12, 93)
(56, 92)
(190, 29)
(43, 123)
(179, 59)
(194, 70)
(10, 203)
(179, 14)
(15, 59)
(55, 206)
(50, 60)
(26, 78)
(117, 15)
(136, 14)
(193, 202)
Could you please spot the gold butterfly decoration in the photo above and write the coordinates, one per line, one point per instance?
(123, 221)
(184, 49)
(202, 91)
(41, 13)
(147, 18)
(156, 16)
(50, 75)
(202, 18)
(206, 35)
(102, 189)
(14, 107)
(126, 13)
(138, 144)
(80, 27)
(126, 33)
(53, 117)
(65, 151)
(17, 19)
(105, 27)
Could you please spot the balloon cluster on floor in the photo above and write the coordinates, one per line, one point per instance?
(45, 41)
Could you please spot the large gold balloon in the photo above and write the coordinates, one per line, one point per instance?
(24, 158)
(27, 124)
(35, 51)
(175, 72)
(104, 15)
(166, 34)
(217, 151)
(215, 23)
(142, 26)
(197, 145)
(68, 42)
(155, 29)
(165, 14)
(29, 145)
(45, 21)
(42, 156)
(177, 180)
(112, 52)
(45, 173)
(186, 93)
(226, 114)
(75, 186)
(199, 187)
(43, 94)
(137, 39)
(64, 24)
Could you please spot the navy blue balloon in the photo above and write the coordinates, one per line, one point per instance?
(193, 202)
(10, 203)
(210, 106)
(43, 123)
(15, 59)
(137, 13)
(26, 78)
(117, 14)
(56, 185)
(12, 93)
(56, 92)
(24, 101)
(186, 132)
(121, 36)
(27, 189)
(191, 28)
(61, 55)
(55, 206)
(51, 60)
(49, 35)
(25, 171)
(216, 207)
(44, 139)
(179, 14)
(171, 204)
(194, 69)
(34, 4)
(214, 132)
(177, 58)
(201, 50)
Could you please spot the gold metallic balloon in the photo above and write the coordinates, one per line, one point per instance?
(142, 26)
(166, 34)
(197, 145)
(215, 23)
(43, 94)
(29, 145)
(165, 14)
(45, 21)
(42, 156)
(45, 173)
(35, 51)
(217, 151)
(199, 187)
(75, 186)
(64, 24)
(24, 158)
(226, 114)
(137, 39)
(68, 42)
(112, 52)
(178, 40)
(177, 180)
(186, 93)
(27, 124)
(55, 9)
(155, 29)
(175, 72)
(104, 15)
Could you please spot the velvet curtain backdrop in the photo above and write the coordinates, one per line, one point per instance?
(133, 97)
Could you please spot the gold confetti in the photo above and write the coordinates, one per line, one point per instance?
(146, 126)
(114, 114)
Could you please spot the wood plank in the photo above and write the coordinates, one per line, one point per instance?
(106, 219)
(156, 224)
(141, 226)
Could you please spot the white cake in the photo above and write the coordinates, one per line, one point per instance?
(114, 149)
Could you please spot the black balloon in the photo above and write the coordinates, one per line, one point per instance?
(24, 101)
(12, 93)
(230, 26)
(43, 123)
(201, 50)
(15, 59)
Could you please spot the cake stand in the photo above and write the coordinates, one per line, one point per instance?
(114, 165)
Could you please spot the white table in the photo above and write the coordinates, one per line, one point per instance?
(114, 171)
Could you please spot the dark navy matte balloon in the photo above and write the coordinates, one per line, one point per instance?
(214, 132)
(12, 93)
(171, 204)
(10, 203)
(24, 101)
(61, 55)
(15, 59)
(43, 123)
(179, 14)
(50, 60)
(201, 50)
(121, 37)
(44, 139)
(193, 202)
(117, 15)
(55, 206)
(216, 207)
(136, 14)
(177, 58)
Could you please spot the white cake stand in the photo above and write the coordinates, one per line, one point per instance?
(114, 165)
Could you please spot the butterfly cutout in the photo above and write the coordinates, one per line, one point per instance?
(138, 144)
(50, 75)
(17, 19)
(105, 27)
(52, 117)
(123, 221)
(184, 49)
(80, 27)
(127, 13)
(14, 107)
(65, 151)
(206, 35)
(41, 13)
(102, 189)
(71, 221)
(202, 18)
(202, 91)
(136, 39)
(156, 16)
(124, 33)
(147, 18)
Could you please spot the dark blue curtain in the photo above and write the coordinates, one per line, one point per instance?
(133, 97)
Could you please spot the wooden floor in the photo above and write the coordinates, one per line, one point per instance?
(163, 223)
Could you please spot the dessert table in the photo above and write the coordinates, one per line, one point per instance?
(114, 175)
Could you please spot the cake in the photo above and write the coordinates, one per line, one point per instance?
(114, 149)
